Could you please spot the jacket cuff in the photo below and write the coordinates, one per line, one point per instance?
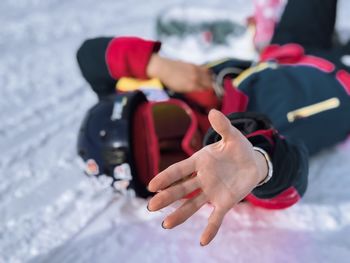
(129, 56)
(289, 180)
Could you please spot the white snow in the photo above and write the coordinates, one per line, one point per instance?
(50, 212)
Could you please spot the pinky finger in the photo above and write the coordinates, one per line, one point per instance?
(214, 223)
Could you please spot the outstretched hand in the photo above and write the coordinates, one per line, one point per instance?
(226, 172)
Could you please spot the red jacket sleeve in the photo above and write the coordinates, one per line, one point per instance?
(129, 56)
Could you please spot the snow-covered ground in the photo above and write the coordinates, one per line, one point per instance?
(50, 212)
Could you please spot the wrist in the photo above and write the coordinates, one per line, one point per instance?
(154, 66)
(265, 168)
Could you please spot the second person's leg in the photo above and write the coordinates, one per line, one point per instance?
(309, 23)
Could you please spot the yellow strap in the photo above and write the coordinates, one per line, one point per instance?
(250, 71)
(131, 84)
(216, 62)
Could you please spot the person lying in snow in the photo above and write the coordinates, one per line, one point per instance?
(291, 104)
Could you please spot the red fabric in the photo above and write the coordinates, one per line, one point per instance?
(289, 53)
(204, 98)
(145, 145)
(317, 62)
(234, 100)
(285, 199)
(203, 122)
(293, 54)
(129, 56)
(268, 134)
(344, 78)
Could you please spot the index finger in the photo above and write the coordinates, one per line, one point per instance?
(172, 174)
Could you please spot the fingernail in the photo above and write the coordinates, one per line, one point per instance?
(148, 208)
(163, 225)
(202, 245)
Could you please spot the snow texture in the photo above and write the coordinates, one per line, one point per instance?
(50, 212)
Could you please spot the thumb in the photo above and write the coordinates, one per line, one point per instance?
(221, 124)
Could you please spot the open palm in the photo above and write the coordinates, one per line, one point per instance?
(226, 171)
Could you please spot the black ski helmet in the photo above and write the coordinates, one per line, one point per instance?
(104, 140)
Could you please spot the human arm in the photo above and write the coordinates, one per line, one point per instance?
(229, 172)
(179, 76)
(226, 172)
(104, 60)
(139, 58)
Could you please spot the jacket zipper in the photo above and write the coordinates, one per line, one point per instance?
(313, 109)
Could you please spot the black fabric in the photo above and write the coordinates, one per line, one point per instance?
(277, 91)
(245, 122)
(91, 60)
(290, 164)
(231, 63)
(309, 23)
(289, 158)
